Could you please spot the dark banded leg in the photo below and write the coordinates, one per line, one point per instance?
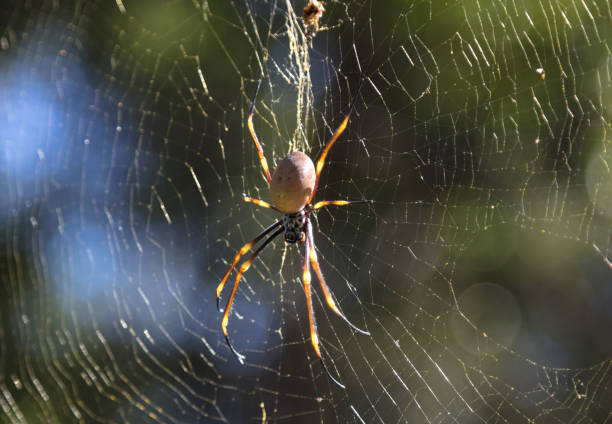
(241, 252)
(245, 265)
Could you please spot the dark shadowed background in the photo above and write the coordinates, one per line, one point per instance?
(482, 269)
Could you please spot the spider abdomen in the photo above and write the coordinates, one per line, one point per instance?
(292, 183)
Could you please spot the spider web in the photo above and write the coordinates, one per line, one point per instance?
(482, 269)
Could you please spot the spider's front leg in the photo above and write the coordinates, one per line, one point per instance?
(260, 153)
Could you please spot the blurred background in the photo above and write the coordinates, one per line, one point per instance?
(482, 269)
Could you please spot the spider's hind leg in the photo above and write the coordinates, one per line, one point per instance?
(245, 265)
(314, 335)
(241, 252)
(326, 291)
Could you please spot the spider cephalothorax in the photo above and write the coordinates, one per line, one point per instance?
(292, 188)
(293, 225)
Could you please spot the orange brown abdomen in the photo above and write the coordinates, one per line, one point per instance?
(292, 183)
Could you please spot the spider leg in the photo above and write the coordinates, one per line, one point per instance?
(328, 296)
(262, 158)
(259, 202)
(245, 265)
(314, 335)
(241, 252)
(331, 142)
(322, 203)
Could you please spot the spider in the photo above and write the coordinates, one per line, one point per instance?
(292, 188)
